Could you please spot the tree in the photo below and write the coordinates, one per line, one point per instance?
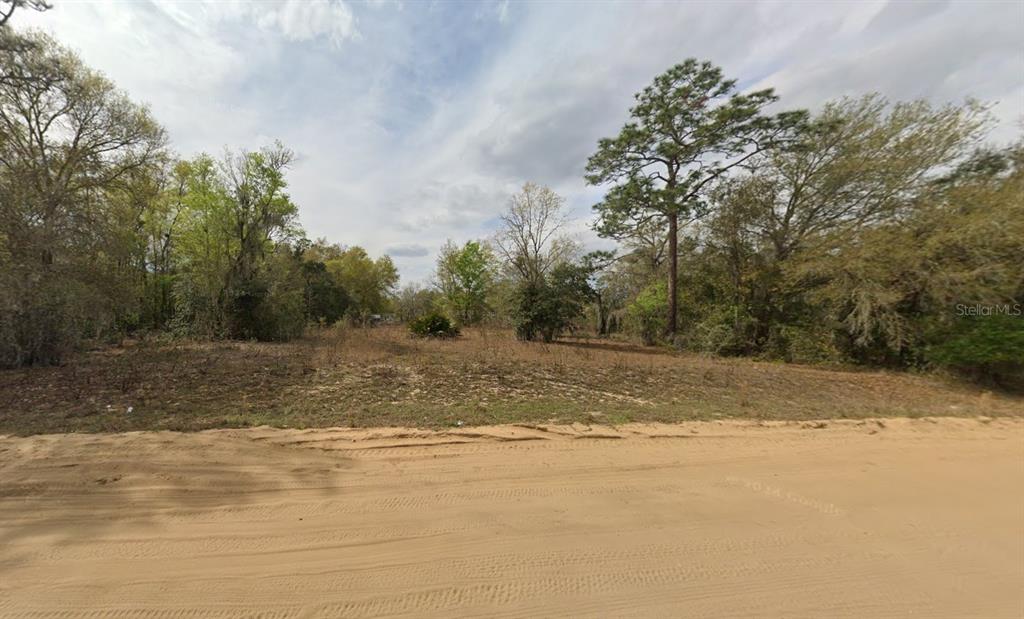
(548, 290)
(205, 248)
(326, 300)
(161, 211)
(72, 150)
(7, 8)
(646, 313)
(464, 276)
(990, 347)
(233, 238)
(548, 306)
(68, 137)
(260, 214)
(260, 210)
(602, 291)
(413, 301)
(861, 166)
(529, 240)
(690, 127)
(274, 307)
(102, 232)
(14, 46)
(369, 283)
(895, 293)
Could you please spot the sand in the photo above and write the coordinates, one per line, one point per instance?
(901, 518)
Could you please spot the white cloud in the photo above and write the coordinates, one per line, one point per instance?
(408, 250)
(415, 122)
(302, 20)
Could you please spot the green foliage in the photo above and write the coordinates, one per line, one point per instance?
(72, 148)
(234, 220)
(39, 326)
(369, 283)
(547, 307)
(326, 300)
(464, 276)
(847, 244)
(271, 305)
(607, 294)
(991, 346)
(688, 128)
(205, 246)
(102, 232)
(283, 315)
(956, 243)
(848, 236)
(435, 325)
(810, 343)
(645, 315)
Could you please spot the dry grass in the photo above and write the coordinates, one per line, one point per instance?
(382, 376)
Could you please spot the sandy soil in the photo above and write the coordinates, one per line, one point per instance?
(889, 518)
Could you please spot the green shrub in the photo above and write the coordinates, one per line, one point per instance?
(988, 347)
(433, 324)
(545, 308)
(803, 344)
(714, 336)
(645, 316)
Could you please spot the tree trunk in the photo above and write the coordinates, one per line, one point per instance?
(602, 317)
(673, 267)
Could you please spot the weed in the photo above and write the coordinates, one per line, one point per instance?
(380, 376)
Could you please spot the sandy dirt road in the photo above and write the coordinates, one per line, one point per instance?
(897, 518)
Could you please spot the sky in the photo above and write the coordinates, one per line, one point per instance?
(414, 122)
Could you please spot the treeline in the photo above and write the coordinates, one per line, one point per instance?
(104, 232)
(871, 232)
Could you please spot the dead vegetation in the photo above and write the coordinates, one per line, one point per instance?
(379, 377)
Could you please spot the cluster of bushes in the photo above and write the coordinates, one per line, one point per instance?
(990, 347)
(435, 325)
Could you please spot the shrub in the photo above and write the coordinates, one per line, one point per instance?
(433, 324)
(803, 344)
(989, 347)
(645, 316)
(716, 334)
(547, 307)
(43, 317)
(533, 312)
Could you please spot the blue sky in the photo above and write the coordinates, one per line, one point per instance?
(414, 121)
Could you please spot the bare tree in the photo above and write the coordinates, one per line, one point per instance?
(529, 240)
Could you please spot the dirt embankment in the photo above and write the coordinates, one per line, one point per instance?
(857, 518)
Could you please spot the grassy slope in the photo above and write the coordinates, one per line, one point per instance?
(383, 377)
